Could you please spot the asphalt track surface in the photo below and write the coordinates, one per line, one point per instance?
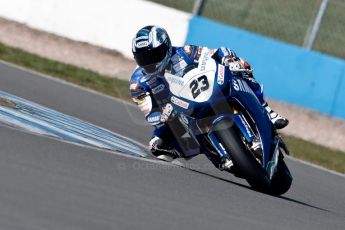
(49, 184)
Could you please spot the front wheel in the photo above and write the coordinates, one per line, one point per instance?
(282, 180)
(243, 160)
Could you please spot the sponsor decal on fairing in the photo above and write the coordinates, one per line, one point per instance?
(172, 79)
(245, 123)
(242, 86)
(205, 55)
(220, 75)
(179, 102)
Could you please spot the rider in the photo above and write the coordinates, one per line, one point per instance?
(155, 56)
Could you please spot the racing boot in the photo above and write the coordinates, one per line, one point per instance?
(163, 151)
(278, 121)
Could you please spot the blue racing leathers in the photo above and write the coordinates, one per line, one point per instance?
(152, 95)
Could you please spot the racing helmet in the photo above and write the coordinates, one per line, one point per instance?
(152, 49)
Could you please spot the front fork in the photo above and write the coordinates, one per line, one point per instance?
(237, 120)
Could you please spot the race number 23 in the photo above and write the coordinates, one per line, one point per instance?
(199, 85)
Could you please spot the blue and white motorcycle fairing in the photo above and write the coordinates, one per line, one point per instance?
(209, 97)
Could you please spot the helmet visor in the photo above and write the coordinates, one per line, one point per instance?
(149, 59)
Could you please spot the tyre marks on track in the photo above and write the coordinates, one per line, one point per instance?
(28, 116)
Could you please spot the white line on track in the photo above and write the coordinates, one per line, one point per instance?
(151, 160)
(316, 166)
(132, 105)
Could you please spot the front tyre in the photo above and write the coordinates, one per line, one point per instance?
(244, 161)
(282, 180)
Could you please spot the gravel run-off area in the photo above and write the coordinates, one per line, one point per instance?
(304, 123)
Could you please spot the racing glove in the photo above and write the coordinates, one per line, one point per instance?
(238, 66)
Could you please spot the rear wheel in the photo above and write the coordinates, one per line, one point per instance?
(244, 161)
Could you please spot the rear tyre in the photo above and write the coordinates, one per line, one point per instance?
(244, 161)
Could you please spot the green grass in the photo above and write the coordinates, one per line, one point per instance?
(286, 20)
(184, 5)
(114, 87)
(317, 154)
(280, 19)
(331, 37)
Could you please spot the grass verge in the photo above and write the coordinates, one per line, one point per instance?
(304, 150)
(317, 154)
(111, 86)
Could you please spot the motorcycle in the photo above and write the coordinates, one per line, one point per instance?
(224, 117)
